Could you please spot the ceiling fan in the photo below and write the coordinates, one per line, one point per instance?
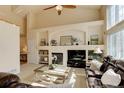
(59, 8)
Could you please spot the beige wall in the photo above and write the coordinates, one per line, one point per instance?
(48, 18)
(103, 12)
(7, 15)
(23, 42)
(68, 16)
(103, 16)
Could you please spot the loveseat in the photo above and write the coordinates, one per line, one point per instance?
(94, 76)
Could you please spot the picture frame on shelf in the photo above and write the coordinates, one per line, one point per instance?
(94, 39)
(65, 40)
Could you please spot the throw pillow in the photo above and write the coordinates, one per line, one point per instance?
(95, 65)
(111, 78)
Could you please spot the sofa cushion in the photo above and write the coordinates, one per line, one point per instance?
(111, 78)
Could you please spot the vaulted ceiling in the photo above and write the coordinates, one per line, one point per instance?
(82, 13)
(23, 10)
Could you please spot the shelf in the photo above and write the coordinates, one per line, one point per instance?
(85, 47)
(43, 62)
(43, 55)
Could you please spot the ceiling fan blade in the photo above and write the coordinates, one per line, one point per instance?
(49, 7)
(69, 6)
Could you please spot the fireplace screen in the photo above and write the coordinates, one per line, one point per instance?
(57, 58)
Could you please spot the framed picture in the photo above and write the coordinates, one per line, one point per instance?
(65, 40)
(94, 39)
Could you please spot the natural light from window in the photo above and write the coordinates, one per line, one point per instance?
(115, 15)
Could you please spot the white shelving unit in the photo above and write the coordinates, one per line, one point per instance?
(81, 31)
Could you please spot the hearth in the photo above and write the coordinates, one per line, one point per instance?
(76, 58)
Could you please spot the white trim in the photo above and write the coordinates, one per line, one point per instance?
(116, 28)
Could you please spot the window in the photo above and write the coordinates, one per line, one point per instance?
(116, 44)
(115, 14)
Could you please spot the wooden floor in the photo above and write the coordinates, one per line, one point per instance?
(27, 74)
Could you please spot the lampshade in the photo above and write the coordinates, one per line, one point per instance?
(97, 51)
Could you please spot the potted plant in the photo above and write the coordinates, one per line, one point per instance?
(53, 42)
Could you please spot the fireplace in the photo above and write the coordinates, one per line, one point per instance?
(57, 58)
(76, 58)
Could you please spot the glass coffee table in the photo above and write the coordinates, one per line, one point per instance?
(55, 76)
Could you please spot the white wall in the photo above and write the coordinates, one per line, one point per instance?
(9, 48)
(85, 29)
(75, 33)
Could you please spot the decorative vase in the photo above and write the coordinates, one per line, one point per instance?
(88, 42)
(77, 44)
(46, 59)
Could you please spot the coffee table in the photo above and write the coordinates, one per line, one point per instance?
(56, 76)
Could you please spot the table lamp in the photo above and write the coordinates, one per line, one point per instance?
(98, 53)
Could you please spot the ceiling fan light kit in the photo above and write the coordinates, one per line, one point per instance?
(59, 8)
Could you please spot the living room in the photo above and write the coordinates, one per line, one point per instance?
(41, 45)
(62, 46)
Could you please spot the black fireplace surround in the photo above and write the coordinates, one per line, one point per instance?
(76, 58)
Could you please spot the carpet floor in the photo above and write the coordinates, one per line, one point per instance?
(27, 75)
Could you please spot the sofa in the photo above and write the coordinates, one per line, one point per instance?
(8, 80)
(94, 76)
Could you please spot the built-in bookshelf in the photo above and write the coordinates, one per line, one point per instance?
(44, 56)
(81, 36)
